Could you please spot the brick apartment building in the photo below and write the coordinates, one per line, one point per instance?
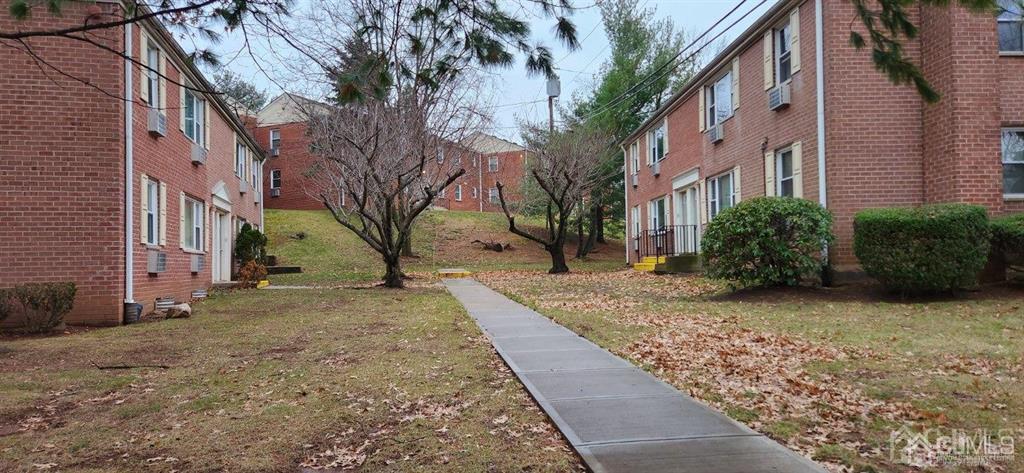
(493, 160)
(131, 202)
(790, 108)
(281, 130)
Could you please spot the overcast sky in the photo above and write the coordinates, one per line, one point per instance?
(511, 87)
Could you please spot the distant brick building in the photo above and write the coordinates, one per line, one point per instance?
(96, 192)
(790, 108)
(494, 160)
(281, 130)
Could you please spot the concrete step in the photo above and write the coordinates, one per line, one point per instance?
(644, 267)
(284, 269)
(453, 273)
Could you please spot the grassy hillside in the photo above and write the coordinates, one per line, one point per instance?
(330, 253)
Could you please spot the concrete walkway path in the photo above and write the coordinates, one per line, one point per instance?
(618, 417)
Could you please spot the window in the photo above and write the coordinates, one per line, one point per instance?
(492, 164)
(634, 157)
(1011, 26)
(492, 195)
(152, 212)
(440, 156)
(474, 192)
(152, 76)
(1013, 162)
(783, 54)
(458, 192)
(656, 140)
(256, 182)
(194, 221)
(658, 213)
(784, 173)
(275, 178)
(719, 100)
(194, 119)
(721, 194)
(239, 159)
(457, 162)
(275, 139)
(441, 194)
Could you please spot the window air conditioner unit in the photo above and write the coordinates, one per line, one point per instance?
(156, 262)
(157, 122)
(198, 154)
(256, 196)
(656, 168)
(275, 192)
(779, 97)
(635, 178)
(198, 263)
(275, 152)
(243, 186)
(716, 133)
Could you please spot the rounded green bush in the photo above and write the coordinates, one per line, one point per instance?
(1008, 233)
(928, 249)
(767, 241)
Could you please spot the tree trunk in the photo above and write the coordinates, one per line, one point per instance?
(558, 265)
(407, 247)
(586, 246)
(393, 276)
(580, 239)
(599, 221)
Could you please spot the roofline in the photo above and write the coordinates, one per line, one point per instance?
(194, 75)
(737, 46)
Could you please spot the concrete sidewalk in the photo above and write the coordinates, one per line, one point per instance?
(618, 417)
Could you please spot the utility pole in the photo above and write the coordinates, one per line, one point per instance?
(554, 89)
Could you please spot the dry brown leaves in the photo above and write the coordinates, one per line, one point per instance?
(733, 368)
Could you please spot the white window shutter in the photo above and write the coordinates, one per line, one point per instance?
(143, 208)
(703, 202)
(181, 103)
(206, 128)
(798, 175)
(794, 34)
(163, 213)
(769, 60)
(181, 220)
(143, 68)
(206, 227)
(735, 83)
(769, 173)
(736, 189)
(701, 109)
(163, 82)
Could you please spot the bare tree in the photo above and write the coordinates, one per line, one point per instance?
(381, 160)
(565, 166)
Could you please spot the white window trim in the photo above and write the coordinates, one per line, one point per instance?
(458, 192)
(196, 208)
(153, 212)
(652, 141)
(777, 56)
(272, 133)
(711, 100)
(272, 179)
(651, 212)
(1002, 160)
(153, 75)
(492, 164)
(475, 192)
(492, 195)
(778, 170)
(198, 129)
(1010, 52)
(713, 186)
(240, 154)
(634, 158)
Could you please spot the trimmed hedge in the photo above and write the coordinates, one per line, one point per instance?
(1008, 234)
(767, 241)
(44, 305)
(928, 249)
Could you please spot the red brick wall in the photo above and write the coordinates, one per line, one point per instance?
(511, 170)
(751, 125)
(293, 161)
(61, 174)
(168, 159)
(873, 132)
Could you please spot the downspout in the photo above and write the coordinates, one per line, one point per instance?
(480, 181)
(129, 173)
(263, 224)
(625, 195)
(819, 73)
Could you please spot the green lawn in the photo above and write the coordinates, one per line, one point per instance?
(271, 380)
(830, 372)
(331, 254)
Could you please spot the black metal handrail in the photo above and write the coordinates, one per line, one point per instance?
(671, 240)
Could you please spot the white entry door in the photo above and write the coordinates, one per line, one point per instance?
(221, 247)
(687, 218)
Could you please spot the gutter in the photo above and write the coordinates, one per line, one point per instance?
(735, 47)
(819, 85)
(129, 173)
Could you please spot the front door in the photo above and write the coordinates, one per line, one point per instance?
(687, 217)
(221, 247)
